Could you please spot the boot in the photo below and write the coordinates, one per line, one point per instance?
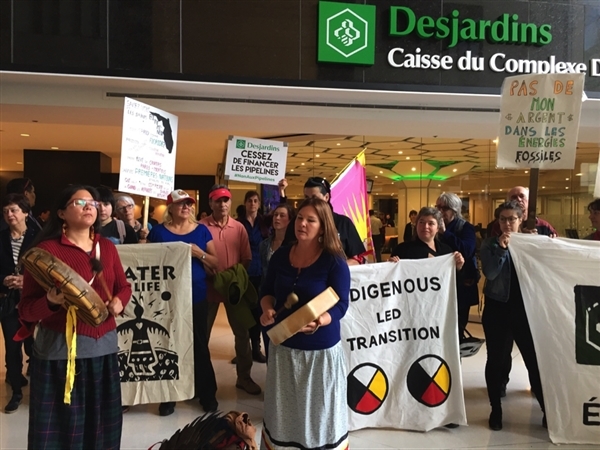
(495, 421)
(256, 353)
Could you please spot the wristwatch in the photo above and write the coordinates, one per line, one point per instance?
(203, 256)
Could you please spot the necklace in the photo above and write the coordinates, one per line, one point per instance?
(20, 237)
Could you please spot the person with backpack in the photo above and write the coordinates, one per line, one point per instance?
(117, 231)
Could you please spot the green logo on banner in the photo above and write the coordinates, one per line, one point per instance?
(240, 143)
(346, 33)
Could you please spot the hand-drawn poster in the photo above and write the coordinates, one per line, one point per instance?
(148, 149)
(539, 121)
(156, 361)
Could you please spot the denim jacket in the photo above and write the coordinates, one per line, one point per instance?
(495, 265)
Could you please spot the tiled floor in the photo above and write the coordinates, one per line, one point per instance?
(143, 427)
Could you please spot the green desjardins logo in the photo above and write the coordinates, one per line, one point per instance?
(346, 33)
(240, 143)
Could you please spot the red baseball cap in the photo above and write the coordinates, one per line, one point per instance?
(179, 196)
(219, 193)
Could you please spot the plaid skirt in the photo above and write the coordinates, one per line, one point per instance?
(94, 418)
(306, 403)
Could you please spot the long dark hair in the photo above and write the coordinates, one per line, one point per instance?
(54, 228)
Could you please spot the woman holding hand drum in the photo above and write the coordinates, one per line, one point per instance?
(88, 416)
(305, 390)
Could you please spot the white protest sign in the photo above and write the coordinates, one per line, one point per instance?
(148, 149)
(539, 121)
(156, 362)
(564, 316)
(255, 160)
(400, 336)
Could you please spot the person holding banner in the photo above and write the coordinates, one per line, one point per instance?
(305, 391)
(594, 209)
(125, 211)
(426, 243)
(89, 416)
(180, 225)
(504, 316)
(459, 235)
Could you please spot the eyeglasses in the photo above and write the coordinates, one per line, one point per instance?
(125, 208)
(82, 203)
(11, 211)
(443, 208)
(511, 219)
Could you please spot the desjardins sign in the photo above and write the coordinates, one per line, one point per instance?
(347, 36)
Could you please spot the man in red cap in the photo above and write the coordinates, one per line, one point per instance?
(233, 247)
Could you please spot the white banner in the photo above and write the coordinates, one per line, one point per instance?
(564, 317)
(539, 121)
(400, 336)
(255, 160)
(148, 148)
(156, 351)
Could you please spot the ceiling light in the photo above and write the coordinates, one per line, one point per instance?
(400, 152)
(376, 176)
(338, 144)
(543, 187)
(483, 190)
(527, 171)
(53, 148)
(439, 185)
(292, 170)
(392, 182)
(468, 193)
(495, 141)
(454, 170)
(302, 164)
(408, 157)
(24, 135)
(19, 162)
(567, 179)
(317, 156)
(414, 169)
(500, 190)
(578, 174)
(381, 171)
(461, 192)
(567, 187)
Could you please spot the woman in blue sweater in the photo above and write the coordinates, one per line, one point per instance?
(305, 391)
(180, 225)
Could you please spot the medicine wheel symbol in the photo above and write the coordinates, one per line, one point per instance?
(368, 388)
(429, 380)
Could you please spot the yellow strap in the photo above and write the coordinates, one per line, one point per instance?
(71, 334)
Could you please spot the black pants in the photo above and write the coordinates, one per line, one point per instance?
(501, 321)
(254, 332)
(378, 240)
(205, 382)
(14, 354)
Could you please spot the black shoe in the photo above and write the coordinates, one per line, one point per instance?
(125, 409)
(13, 404)
(210, 406)
(544, 422)
(166, 409)
(495, 421)
(258, 357)
(234, 360)
(24, 381)
(451, 425)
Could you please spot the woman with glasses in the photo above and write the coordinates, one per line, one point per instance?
(504, 314)
(93, 418)
(180, 225)
(14, 241)
(459, 235)
(125, 210)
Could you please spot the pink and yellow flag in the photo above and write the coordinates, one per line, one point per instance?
(349, 197)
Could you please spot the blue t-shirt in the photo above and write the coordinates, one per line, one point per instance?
(200, 236)
(327, 271)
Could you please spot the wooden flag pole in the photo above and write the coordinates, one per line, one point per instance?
(145, 212)
(534, 175)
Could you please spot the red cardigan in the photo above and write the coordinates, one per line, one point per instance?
(34, 306)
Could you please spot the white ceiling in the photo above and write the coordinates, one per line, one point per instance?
(85, 113)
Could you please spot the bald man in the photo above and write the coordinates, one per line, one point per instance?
(520, 194)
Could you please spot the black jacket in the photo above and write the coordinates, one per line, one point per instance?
(7, 264)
